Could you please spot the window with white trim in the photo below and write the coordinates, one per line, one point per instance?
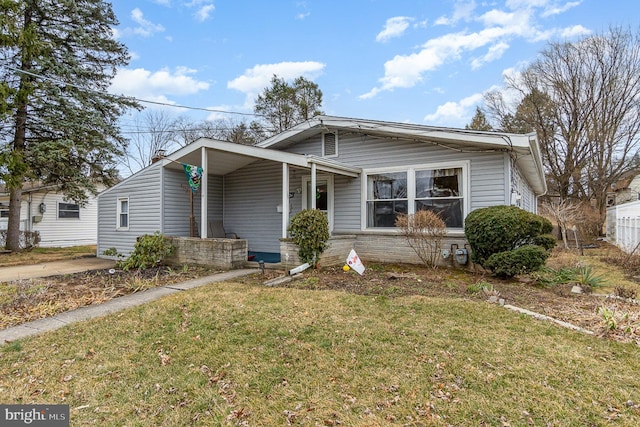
(386, 198)
(123, 213)
(439, 189)
(68, 210)
(329, 144)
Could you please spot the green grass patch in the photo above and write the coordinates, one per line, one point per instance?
(231, 354)
(40, 255)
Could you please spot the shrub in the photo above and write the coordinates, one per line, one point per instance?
(522, 260)
(28, 239)
(149, 251)
(624, 292)
(504, 228)
(424, 231)
(309, 229)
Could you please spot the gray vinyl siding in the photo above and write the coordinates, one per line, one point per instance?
(215, 198)
(487, 172)
(529, 200)
(488, 180)
(346, 204)
(145, 214)
(251, 196)
(177, 203)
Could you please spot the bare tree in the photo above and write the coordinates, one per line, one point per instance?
(240, 132)
(153, 133)
(583, 101)
(565, 213)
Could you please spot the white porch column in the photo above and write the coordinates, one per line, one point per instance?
(314, 186)
(204, 183)
(285, 199)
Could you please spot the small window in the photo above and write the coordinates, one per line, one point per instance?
(329, 144)
(68, 210)
(123, 214)
(4, 213)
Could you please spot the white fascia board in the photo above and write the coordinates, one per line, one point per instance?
(327, 165)
(265, 154)
(244, 150)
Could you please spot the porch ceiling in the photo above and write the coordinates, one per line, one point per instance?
(219, 162)
(226, 157)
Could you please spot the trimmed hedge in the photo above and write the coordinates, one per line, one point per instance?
(501, 229)
(522, 260)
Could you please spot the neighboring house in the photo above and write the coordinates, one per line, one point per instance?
(365, 172)
(60, 222)
(626, 189)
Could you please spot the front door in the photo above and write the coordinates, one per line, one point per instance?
(323, 195)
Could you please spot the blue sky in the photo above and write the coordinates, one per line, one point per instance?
(418, 61)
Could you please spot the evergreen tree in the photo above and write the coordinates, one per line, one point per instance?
(479, 121)
(284, 105)
(57, 59)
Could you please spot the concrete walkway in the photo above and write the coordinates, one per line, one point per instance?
(53, 268)
(89, 312)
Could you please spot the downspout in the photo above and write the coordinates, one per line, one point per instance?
(29, 217)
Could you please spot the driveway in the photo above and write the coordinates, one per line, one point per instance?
(54, 268)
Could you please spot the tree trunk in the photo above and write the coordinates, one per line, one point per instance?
(13, 225)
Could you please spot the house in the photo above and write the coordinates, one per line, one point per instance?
(362, 173)
(626, 189)
(60, 222)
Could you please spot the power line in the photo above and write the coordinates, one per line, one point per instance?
(144, 101)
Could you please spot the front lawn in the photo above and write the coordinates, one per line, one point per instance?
(244, 354)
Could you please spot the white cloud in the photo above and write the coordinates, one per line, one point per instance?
(255, 79)
(156, 85)
(404, 71)
(498, 29)
(495, 52)
(575, 31)
(204, 12)
(462, 11)
(145, 28)
(455, 113)
(558, 9)
(394, 27)
(304, 7)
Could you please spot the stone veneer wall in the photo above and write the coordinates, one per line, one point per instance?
(371, 247)
(393, 248)
(226, 254)
(335, 254)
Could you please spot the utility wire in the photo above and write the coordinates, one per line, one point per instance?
(144, 101)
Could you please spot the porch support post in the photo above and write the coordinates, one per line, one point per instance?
(314, 185)
(285, 199)
(204, 184)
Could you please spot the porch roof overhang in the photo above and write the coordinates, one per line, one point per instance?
(524, 147)
(226, 157)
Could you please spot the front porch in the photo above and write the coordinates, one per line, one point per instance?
(249, 192)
